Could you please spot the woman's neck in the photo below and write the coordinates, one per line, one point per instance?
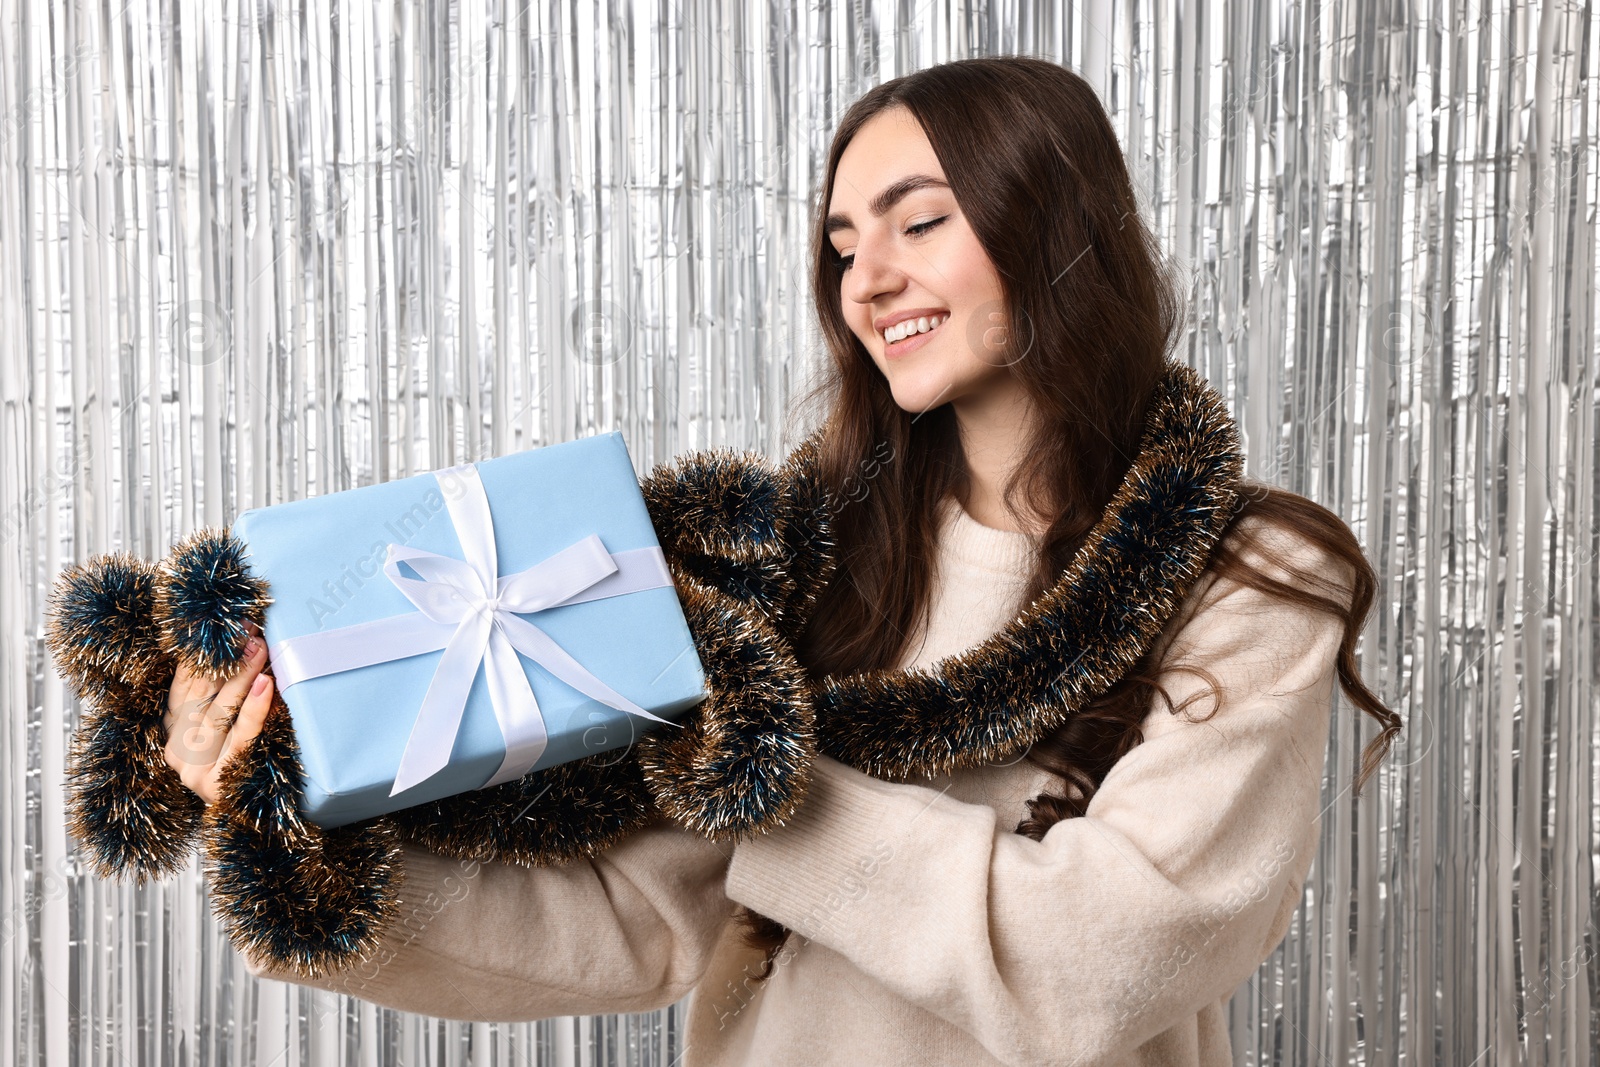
(992, 448)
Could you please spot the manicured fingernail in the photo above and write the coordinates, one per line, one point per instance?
(252, 646)
(258, 686)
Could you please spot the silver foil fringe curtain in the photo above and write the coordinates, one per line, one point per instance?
(251, 252)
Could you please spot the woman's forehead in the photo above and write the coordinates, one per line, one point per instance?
(888, 158)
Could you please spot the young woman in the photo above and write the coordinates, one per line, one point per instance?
(998, 323)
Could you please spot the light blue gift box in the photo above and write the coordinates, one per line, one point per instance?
(324, 560)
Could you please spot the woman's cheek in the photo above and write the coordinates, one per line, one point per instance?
(864, 335)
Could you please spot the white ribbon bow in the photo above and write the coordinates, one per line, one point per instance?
(466, 609)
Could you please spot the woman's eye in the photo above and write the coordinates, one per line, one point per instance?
(916, 231)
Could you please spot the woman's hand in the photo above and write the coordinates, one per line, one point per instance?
(208, 722)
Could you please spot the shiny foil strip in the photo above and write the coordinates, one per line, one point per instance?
(252, 252)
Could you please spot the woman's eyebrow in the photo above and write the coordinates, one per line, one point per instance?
(887, 199)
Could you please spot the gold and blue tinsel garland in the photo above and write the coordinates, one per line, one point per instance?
(749, 546)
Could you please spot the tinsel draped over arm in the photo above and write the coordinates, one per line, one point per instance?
(632, 929)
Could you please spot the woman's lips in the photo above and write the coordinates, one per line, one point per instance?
(914, 342)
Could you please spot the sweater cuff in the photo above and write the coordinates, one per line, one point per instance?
(807, 873)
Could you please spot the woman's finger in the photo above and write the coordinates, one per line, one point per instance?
(221, 709)
(252, 717)
(232, 693)
(192, 740)
(186, 688)
(186, 685)
(198, 723)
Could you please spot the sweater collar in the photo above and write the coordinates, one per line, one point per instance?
(992, 701)
(1006, 553)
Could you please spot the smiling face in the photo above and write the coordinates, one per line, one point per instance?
(918, 256)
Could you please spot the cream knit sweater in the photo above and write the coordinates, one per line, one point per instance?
(926, 930)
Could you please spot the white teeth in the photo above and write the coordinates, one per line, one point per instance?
(911, 326)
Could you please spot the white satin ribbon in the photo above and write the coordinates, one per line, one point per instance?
(466, 609)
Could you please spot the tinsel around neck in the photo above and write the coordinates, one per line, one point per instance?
(1078, 638)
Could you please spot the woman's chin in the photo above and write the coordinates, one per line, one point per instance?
(918, 388)
(915, 401)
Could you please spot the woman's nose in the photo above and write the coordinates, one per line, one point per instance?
(871, 274)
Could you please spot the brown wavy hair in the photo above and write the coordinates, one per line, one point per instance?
(1034, 163)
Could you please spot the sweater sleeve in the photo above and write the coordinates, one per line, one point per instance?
(631, 929)
(1166, 895)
